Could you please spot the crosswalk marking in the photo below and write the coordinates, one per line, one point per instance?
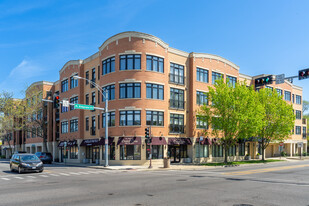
(43, 176)
(21, 178)
(84, 173)
(54, 175)
(31, 177)
(64, 174)
(5, 178)
(74, 173)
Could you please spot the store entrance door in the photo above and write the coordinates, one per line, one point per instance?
(95, 154)
(174, 153)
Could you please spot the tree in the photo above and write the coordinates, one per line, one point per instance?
(278, 118)
(9, 116)
(234, 113)
(305, 106)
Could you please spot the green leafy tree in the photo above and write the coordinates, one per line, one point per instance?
(234, 113)
(305, 107)
(278, 118)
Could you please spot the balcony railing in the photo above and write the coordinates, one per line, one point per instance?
(176, 79)
(177, 104)
(92, 131)
(177, 128)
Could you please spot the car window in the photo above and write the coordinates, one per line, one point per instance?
(16, 157)
(13, 157)
(29, 158)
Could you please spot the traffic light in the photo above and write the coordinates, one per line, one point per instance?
(56, 101)
(303, 74)
(263, 80)
(147, 132)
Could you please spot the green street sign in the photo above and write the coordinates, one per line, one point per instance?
(83, 106)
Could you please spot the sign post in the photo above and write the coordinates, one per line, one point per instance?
(299, 145)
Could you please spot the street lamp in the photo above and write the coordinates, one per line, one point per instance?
(105, 94)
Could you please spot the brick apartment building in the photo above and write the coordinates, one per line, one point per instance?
(149, 83)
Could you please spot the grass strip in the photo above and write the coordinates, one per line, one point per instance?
(241, 162)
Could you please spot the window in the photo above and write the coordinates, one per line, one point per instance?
(232, 150)
(201, 150)
(201, 98)
(154, 91)
(64, 85)
(74, 125)
(304, 132)
(87, 99)
(298, 130)
(217, 151)
(64, 109)
(73, 82)
(298, 99)
(108, 65)
(74, 152)
(87, 123)
(176, 123)
(130, 62)
(287, 95)
(33, 116)
(232, 80)
(241, 148)
(202, 75)
(293, 99)
(177, 98)
(155, 118)
(87, 77)
(216, 76)
(129, 118)
(111, 150)
(279, 91)
(157, 151)
(40, 114)
(73, 100)
(93, 75)
(130, 90)
(111, 119)
(271, 88)
(64, 127)
(201, 122)
(93, 128)
(111, 92)
(177, 74)
(93, 98)
(33, 132)
(155, 64)
(130, 152)
(298, 114)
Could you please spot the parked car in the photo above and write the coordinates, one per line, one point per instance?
(19, 152)
(45, 157)
(26, 163)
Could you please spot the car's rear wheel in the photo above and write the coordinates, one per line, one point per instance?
(20, 170)
(40, 171)
(11, 168)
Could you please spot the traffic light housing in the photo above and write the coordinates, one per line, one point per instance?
(303, 74)
(147, 133)
(264, 80)
(56, 101)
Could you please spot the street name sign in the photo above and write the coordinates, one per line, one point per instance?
(83, 106)
(280, 79)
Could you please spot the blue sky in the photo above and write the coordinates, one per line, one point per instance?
(263, 37)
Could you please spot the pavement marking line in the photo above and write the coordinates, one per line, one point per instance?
(84, 173)
(5, 178)
(43, 176)
(54, 175)
(31, 177)
(74, 173)
(21, 178)
(247, 172)
(64, 174)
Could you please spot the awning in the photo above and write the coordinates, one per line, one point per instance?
(158, 141)
(179, 141)
(129, 141)
(72, 143)
(61, 144)
(205, 141)
(92, 142)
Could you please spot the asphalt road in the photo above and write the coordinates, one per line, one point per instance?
(273, 184)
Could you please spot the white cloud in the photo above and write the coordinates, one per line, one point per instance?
(26, 70)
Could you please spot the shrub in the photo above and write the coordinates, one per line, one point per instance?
(283, 154)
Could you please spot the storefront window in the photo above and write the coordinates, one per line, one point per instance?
(111, 151)
(130, 152)
(74, 152)
(232, 150)
(217, 151)
(201, 150)
(241, 148)
(157, 151)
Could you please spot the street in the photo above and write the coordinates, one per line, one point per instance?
(284, 183)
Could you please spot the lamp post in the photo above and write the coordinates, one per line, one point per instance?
(105, 94)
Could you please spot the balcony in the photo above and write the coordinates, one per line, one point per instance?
(179, 129)
(305, 121)
(176, 79)
(92, 131)
(177, 104)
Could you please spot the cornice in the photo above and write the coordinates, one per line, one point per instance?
(96, 55)
(71, 62)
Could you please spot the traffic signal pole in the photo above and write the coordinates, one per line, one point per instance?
(150, 145)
